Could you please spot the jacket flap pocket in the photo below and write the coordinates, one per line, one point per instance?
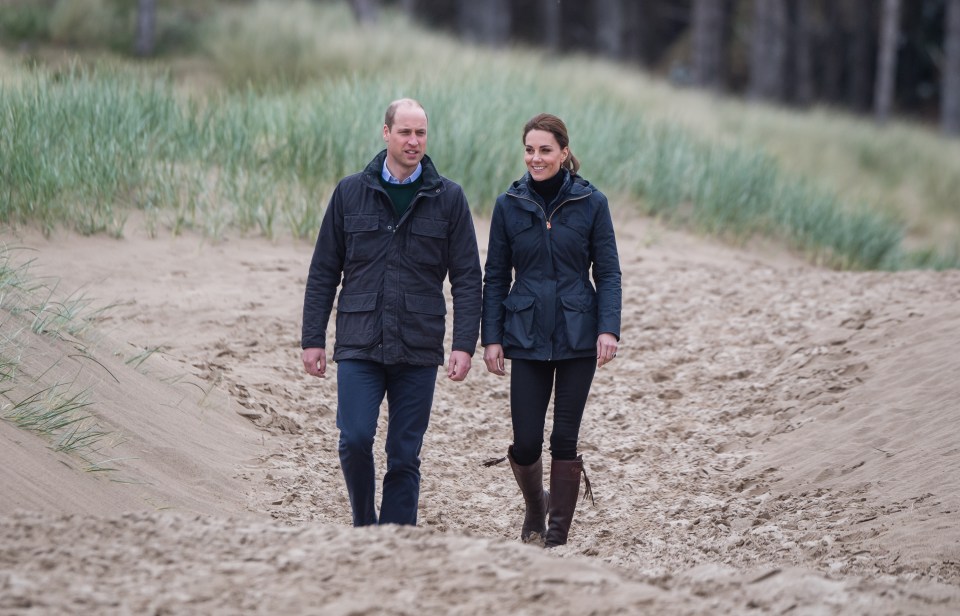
(578, 303)
(357, 302)
(354, 223)
(520, 223)
(516, 303)
(426, 304)
(429, 227)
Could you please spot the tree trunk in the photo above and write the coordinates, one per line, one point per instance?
(578, 26)
(485, 22)
(438, 14)
(803, 53)
(632, 41)
(550, 15)
(365, 11)
(758, 49)
(886, 61)
(609, 20)
(950, 97)
(468, 20)
(860, 63)
(831, 53)
(708, 44)
(768, 50)
(146, 27)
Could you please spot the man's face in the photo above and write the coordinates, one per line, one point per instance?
(406, 141)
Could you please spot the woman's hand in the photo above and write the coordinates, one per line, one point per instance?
(493, 357)
(606, 348)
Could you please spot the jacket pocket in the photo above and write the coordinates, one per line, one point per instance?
(577, 218)
(580, 318)
(518, 321)
(428, 238)
(424, 324)
(519, 223)
(358, 320)
(361, 238)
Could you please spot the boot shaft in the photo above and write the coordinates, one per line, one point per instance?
(536, 499)
(564, 490)
(529, 478)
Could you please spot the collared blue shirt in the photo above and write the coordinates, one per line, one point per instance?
(388, 177)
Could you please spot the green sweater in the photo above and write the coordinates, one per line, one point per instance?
(402, 194)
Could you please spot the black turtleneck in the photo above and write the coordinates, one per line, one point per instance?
(549, 188)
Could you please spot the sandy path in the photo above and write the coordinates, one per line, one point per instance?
(772, 436)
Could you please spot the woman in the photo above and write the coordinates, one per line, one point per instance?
(541, 311)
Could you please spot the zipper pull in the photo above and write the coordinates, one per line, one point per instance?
(548, 226)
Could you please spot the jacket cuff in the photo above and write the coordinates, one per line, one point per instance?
(469, 350)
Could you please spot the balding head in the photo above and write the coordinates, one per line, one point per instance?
(391, 113)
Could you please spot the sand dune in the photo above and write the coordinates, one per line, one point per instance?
(773, 438)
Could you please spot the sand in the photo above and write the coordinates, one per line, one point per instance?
(774, 437)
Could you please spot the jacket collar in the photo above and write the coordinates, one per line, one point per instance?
(431, 177)
(573, 186)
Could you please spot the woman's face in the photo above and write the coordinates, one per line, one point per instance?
(543, 154)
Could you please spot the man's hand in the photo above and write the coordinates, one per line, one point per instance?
(458, 366)
(493, 357)
(315, 362)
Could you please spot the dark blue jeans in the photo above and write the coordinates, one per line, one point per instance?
(361, 386)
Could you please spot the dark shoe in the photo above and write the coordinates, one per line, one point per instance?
(530, 480)
(564, 489)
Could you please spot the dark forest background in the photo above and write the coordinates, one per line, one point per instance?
(880, 57)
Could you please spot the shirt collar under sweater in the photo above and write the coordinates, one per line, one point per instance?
(389, 177)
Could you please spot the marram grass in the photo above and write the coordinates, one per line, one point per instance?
(85, 147)
(56, 411)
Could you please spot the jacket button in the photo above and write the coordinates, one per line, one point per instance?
(389, 228)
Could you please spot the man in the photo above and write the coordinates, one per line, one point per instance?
(394, 232)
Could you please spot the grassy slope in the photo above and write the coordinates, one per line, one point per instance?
(289, 110)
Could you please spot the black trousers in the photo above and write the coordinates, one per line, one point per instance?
(531, 384)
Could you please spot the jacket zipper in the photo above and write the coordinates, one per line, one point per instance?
(555, 210)
(549, 226)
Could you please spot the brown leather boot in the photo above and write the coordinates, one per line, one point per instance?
(564, 489)
(530, 480)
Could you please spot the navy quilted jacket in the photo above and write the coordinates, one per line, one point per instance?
(538, 298)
